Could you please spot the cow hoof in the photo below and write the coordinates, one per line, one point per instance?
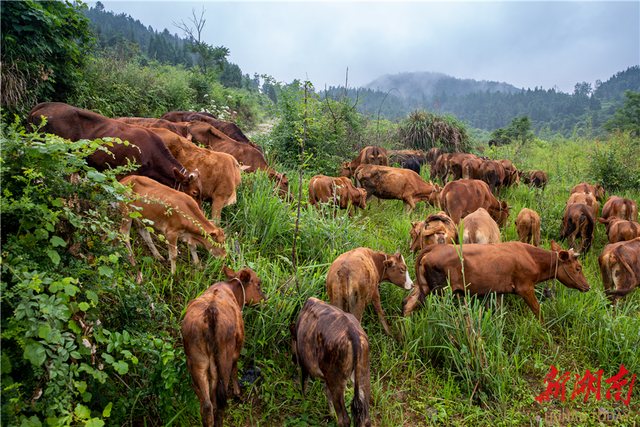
(548, 293)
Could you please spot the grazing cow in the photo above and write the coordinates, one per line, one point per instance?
(144, 122)
(620, 230)
(620, 208)
(534, 178)
(436, 229)
(499, 268)
(228, 128)
(620, 268)
(173, 214)
(331, 345)
(368, 156)
(479, 227)
(528, 226)
(146, 148)
(585, 199)
(213, 336)
(353, 278)
(338, 191)
(460, 198)
(578, 221)
(219, 172)
(493, 173)
(594, 190)
(432, 156)
(393, 183)
(511, 176)
(471, 168)
(211, 137)
(411, 164)
(453, 165)
(400, 156)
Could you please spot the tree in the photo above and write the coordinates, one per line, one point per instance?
(231, 76)
(627, 118)
(207, 55)
(519, 129)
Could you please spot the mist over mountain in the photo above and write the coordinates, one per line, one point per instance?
(426, 83)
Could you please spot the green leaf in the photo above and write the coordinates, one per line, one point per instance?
(86, 397)
(34, 421)
(93, 297)
(105, 271)
(70, 290)
(94, 422)
(81, 386)
(74, 327)
(96, 176)
(107, 410)
(44, 331)
(82, 412)
(121, 367)
(35, 353)
(84, 306)
(108, 358)
(57, 241)
(55, 258)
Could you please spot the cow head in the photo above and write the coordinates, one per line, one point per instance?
(438, 229)
(434, 197)
(569, 272)
(501, 213)
(395, 271)
(250, 282)
(191, 184)
(217, 248)
(282, 182)
(345, 169)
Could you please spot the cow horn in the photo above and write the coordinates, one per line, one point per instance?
(576, 255)
(510, 207)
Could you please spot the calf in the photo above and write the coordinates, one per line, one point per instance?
(511, 173)
(213, 336)
(174, 214)
(479, 227)
(367, 156)
(493, 173)
(578, 221)
(619, 230)
(594, 190)
(436, 229)
(620, 208)
(499, 268)
(338, 191)
(528, 227)
(471, 168)
(585, 199)
(353, 278)
(392, 183)
(536, 179)
(460, 198)
(620, 268)
(331, 345)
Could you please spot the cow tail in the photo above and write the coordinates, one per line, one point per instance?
(211, 319)
(357, 405)
(312, 194)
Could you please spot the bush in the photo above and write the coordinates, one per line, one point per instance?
(423, 130)
(616, 165)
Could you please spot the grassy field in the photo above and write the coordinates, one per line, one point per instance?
(458, 363)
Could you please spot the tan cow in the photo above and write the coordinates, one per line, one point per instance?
(471, 168)
(586, 199)
(453, 165)
(436, 229)
(479, 227)
(174, 214)
(393, 183)
(460, 198)
(620, 230)
(512, 176)
(338, 191)
(367, 156)
(353, 278)
(620, 208)
(620, 268)
(213, 336)
(578, 222)
(331, 345)
(219, 172)
(528, 226)
(594, 190)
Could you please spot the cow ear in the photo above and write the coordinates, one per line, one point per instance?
(179, 176)
(564, 256)
(389, 263)
(244, 277)
(229, 273)
(555, 247)
(604, 221)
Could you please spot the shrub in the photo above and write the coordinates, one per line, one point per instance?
(615, 165)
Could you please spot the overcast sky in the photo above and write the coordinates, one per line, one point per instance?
(526, 44)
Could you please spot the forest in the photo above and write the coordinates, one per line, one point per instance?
(86, 343)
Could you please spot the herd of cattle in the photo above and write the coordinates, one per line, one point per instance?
(328, 341)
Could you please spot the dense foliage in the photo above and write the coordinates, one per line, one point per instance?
(518, 130)
(423, 130)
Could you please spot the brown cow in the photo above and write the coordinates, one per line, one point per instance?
(585, 199)
(620, 230)
(620, 208)
(367, 156)
(146, 148)
(620, 268)
(499, 268)
(453, 165)
(219, 172)
(353, 278)
(471, 168)
(228, 128)
(479, 227)
(213, 336)
(211, 137)
(438, 167)
(460, 198)
(339, 191)
(401, 156)
(528, 226)
(432, 156)
(578, 221)
(594, 190)
(144, 122)
(436, 229)
(511, 176)
(331, 345)
(173, 214)
(393, 183)
(493, 173)
(534, 178)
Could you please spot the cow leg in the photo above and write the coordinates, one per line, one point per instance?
(234, 379)
(377, 307)
(147, 238)
(125, 231)
(336, 392)
(409, 206)
(216, 209)
(172, 242)
(203, 389)
(194, 254)
(529, 297)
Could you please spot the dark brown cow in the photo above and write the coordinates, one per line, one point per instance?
(460, 198)
(146, 148)
(493, 173)
(173, 213)
(471, 168)
(499, 268)
(528, 226)
(401, 156)
(620, 230)
(436, 229)
(595, 190)
(534, 178)
(338, 191)
(620, 208)
(213, 336)
(620, 268)
(144, 122)
(331, 345)
(578, 221)
(438, 167)
(479, 227)
(219, 172)
(432, 156)
(367, 156)
(585, 199)
(228, 128)
(393, 183)
(211, 137)
(353, 279)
